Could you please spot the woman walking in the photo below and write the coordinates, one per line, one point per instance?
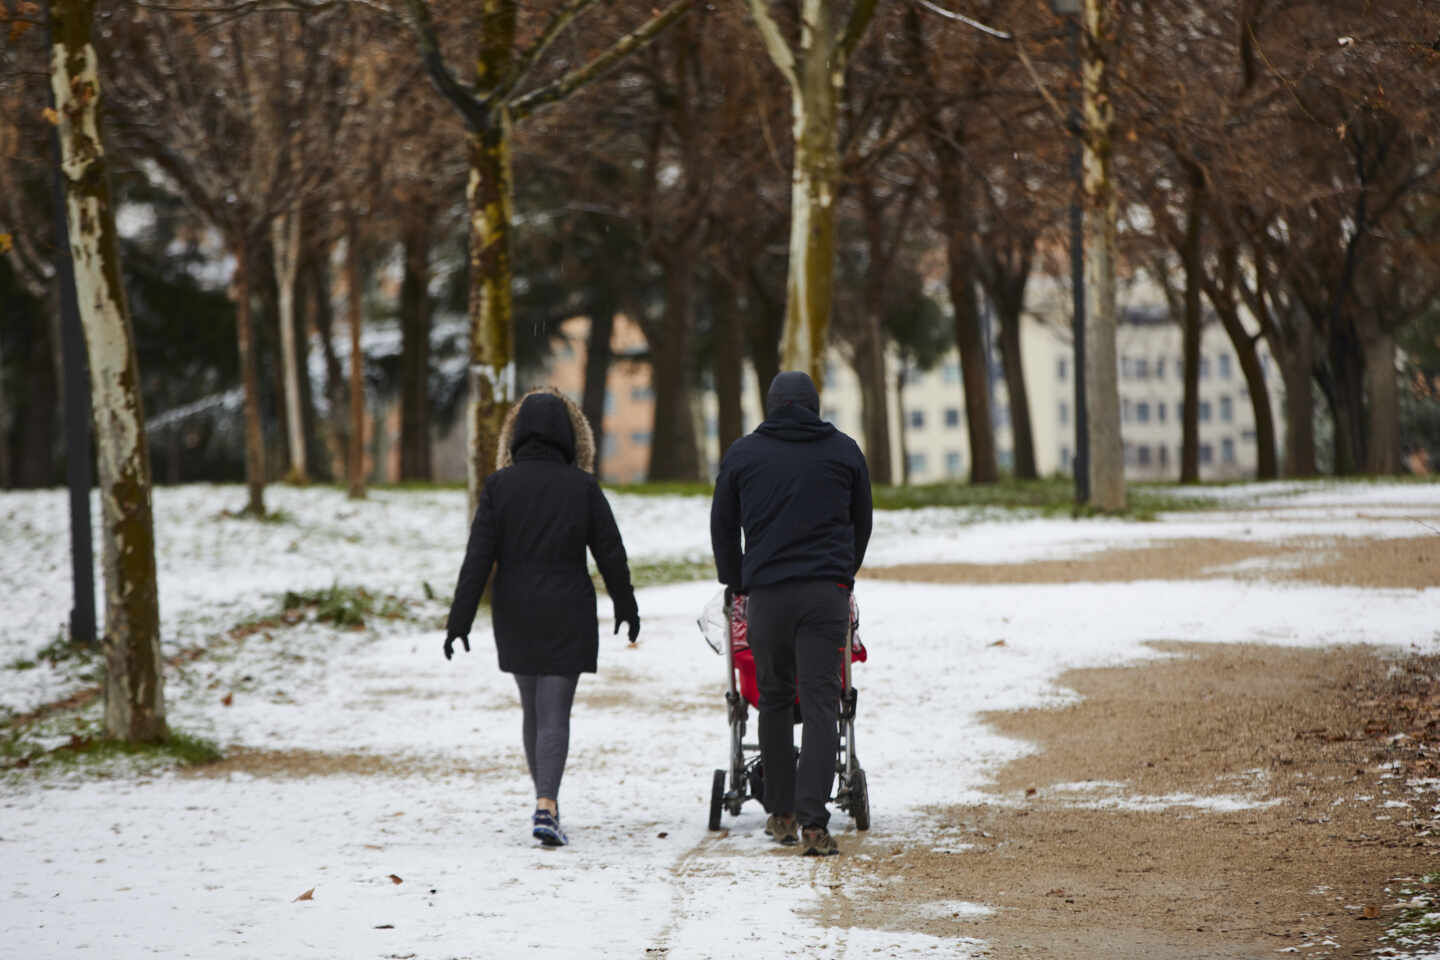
(536, 516)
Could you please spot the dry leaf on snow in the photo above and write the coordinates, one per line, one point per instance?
(307, 895)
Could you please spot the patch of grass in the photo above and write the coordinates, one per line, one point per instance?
(276, 517)
(88, 750)
(341, 606)
(668, 571)
(21, 664)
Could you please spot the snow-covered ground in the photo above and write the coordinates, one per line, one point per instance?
(410, 822)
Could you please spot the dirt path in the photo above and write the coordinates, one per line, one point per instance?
(1234, 801)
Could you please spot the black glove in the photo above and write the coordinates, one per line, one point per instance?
(633, 622)
(450, 645)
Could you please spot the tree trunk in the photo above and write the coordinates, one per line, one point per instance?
(355, 463)
(728, 369)
(492, 322)
(597, 374)
(970, 339)
(1102, 390)
(816, 74)
(337, 435)
(1297, 365)
(1222, 297)
(250, 379)
(134, 684)
(674, 453)
(871, 369)
(900, 410)
(1383, 407)
(415, 350)
(35, 413)
(762, 334)
(285, 242)
(1347, 371)
(1020, 426)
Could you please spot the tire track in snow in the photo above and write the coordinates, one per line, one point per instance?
(681, 872)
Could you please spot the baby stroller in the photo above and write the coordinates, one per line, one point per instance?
(725, 631)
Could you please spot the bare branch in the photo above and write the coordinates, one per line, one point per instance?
(775, 44)
(475, 111)
(961, 18)
(564, 86)
(563, 17)
(860, 16)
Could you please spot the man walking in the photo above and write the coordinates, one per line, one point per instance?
(800, 490)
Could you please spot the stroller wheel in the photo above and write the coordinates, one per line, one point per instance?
(859, 800)
(717, 797)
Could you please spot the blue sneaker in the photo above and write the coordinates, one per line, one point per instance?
(546, 829)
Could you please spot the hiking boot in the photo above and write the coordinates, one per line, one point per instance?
(818, 842)
(783, 829)
(545, 827)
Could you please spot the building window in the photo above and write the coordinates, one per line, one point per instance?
(917, 419)
(952, 417)
(1064, 413)
(1129, 454)
(1204, 367)
(1142, 368)
(1160, 411)
(1125, 369)
(609, 446)
(1247, 436)
(1227, 410)
(1227, 449)
(1062, 368)
(1207, 453)
(1204, 411)
(1142, 412)
(952, 463)
(1159, 368)
(1164, 453)
(1224, 359)
(1065, 458)
(916, 462)
(1124, 410)
(641, 395)
(952, 373)
(1142, 455)
(641, 438)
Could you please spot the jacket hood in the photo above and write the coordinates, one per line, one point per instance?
(792, 387)
(554, 419)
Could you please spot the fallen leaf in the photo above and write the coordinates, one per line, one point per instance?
(307, 895)
(228, 699)
(395, 879)
(662, 834)
(384, 926)
(1029, 791)
(1370, 912)
(373, 846)
(998, 643)
(51, 117)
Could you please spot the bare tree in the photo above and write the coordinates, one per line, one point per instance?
(813, 62)
(498, 99)
(134, 683)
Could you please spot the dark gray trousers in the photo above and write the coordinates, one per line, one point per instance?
(797, 634)
(546, 700)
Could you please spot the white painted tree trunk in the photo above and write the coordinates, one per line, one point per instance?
(285, 239)
(1107, 446)
(134, 689)
(815, 72)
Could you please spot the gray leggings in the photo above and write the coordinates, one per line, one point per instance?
(546, 700)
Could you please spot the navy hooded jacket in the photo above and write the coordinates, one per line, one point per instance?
(799, 489)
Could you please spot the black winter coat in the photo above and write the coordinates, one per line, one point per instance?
(533, 523)
(800, 489)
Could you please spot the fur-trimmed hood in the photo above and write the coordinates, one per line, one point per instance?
(583, 435)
